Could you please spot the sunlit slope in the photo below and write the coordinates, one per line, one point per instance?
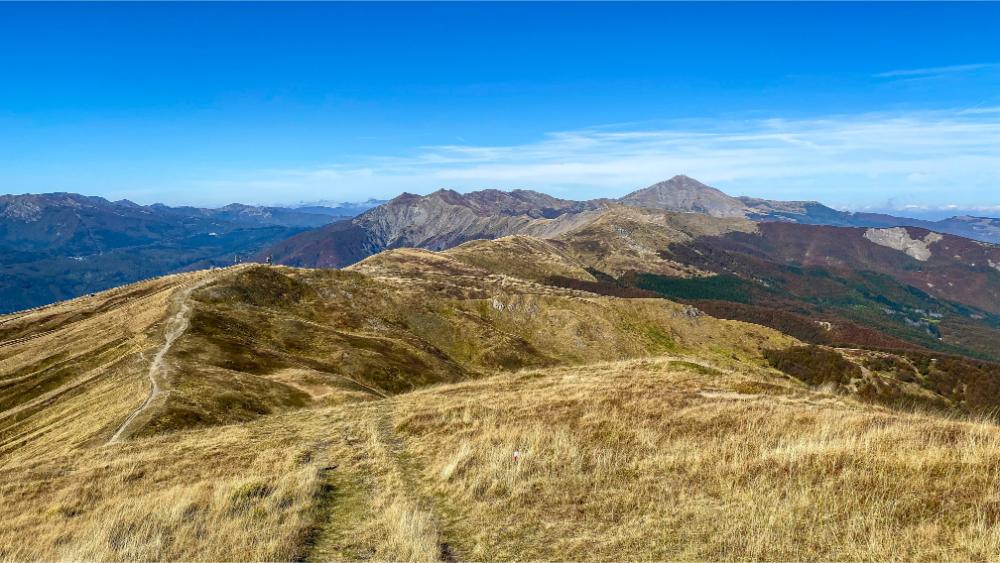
(626, 239)
(268, 339)
(228, 346)
(669, 458)
(72, 372)
(274, 413)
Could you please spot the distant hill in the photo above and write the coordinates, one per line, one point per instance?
(682, 193)
(337, 208)
(61, 245)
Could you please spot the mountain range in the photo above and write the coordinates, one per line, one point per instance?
(58, 246)
(794, 266)
(61, 245)
(445, 218)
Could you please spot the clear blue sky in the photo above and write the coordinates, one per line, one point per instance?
(852, 104)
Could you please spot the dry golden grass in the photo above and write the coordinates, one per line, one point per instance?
(336, 430)
(642, 461)
(82, 368)
(519, 256)
(637, 460)
(236, 493)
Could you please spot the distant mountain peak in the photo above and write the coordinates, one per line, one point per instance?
(684, 193)
(684, 179)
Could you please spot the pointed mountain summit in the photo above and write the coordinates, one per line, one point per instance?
(683, 193)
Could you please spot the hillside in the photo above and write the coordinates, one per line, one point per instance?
(932, 290)
(627, 239)
(892, 289)
(375, 412)
(253, 340)
(437, 221)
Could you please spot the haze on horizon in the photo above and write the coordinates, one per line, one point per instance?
(859, 106)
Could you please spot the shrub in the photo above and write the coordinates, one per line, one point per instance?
(814, 365)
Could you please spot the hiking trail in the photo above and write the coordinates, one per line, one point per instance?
(178, 324)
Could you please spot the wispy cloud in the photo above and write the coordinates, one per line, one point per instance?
(936, 70)
(979, 110)
(922, 157)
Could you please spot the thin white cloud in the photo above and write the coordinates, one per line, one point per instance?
(850, 160)
(935, 70)
(980, 110)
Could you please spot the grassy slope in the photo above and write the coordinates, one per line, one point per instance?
(71, 372)
(641, 459)
(373, 413)
(625, 239)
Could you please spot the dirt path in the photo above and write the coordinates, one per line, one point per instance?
(378, 506)
(177, 325)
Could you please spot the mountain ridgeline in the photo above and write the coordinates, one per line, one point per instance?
(825, 275)
(446, 218)
(58, 246)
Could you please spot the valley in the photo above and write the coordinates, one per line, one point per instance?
(59, 246)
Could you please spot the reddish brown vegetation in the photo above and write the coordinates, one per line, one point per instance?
(814, 365)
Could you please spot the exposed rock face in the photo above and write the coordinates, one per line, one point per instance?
(437, 221)
(682, 193)
(21, 209)
(447, 218)
(899, 239)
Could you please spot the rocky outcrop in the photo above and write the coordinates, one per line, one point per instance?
(898, 238)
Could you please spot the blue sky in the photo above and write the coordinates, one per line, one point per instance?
(856, 105)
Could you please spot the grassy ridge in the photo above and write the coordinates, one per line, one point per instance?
(375, 414)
